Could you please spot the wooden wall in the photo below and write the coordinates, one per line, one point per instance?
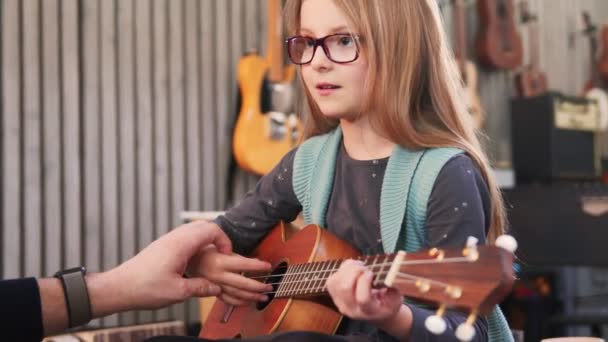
(116, 116)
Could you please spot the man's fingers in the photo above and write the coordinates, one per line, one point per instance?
(198, 234)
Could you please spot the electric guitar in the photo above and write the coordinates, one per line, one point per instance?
(498, 43)
(531, 81)
(267, 126)
(467, 68)
(473, 278)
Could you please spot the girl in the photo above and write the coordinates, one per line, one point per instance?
(382, 90)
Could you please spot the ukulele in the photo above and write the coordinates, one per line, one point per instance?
(467, 68)
(531, 81)
(266, 127)
(498, 43)
(603, 63)
(594, 88)
(474, 278)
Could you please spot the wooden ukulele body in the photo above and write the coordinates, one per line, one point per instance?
(316, 314)
(498, 43)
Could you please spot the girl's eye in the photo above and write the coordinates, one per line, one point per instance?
(310, 43)
(346, 41)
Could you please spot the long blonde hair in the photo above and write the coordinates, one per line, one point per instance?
(415, 97)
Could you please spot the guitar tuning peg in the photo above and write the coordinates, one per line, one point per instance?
(507, 242)
(465, 331)
(435, 323)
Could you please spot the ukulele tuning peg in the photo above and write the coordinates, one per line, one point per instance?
(471, 250)
(507, 242)
(437, 253)
(472, 242)
(465, 331)
(435, 323)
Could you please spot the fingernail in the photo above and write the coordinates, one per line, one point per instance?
(264, 298)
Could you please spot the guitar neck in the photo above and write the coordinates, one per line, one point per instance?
(592, 63)
(274, 41)
(309, 279)
(534, 55)
(590, 30)
(461, 35)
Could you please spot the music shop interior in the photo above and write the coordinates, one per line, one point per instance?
(127, 122)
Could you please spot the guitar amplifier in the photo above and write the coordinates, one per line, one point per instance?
(559, 224)
(554, 138)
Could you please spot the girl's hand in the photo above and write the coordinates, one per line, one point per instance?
(351, 290)
(224, 269)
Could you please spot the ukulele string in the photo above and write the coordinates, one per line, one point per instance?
(402, 276)
(373, 267)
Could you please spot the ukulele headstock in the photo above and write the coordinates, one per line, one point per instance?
(474, 279)
(585, 24)
(526, 15)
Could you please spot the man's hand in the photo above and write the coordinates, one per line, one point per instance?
(154, 277)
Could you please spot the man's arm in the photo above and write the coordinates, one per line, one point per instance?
(152, 279)
(106, 293)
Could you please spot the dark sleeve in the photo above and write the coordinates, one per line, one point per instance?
(459, 207)
(271, 201)
(20, 312)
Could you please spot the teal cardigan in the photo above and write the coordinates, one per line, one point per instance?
(406, 187)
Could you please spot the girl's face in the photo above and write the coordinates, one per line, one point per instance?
(338, 89)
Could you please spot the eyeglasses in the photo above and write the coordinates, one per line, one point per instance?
(339, 48)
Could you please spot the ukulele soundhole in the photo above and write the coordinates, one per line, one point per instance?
(275, 278)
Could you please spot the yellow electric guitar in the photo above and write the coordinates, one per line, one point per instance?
(267, 126)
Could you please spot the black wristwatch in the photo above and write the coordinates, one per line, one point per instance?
(76, 295)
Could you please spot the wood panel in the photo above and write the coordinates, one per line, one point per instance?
(91, 120)
(51, 137)
(127, 204)
(177, 122)
(32, 110)
(209, 98)
(72, 176)
(109, 139)
(145, 129)
(11, 140)
(193, 107)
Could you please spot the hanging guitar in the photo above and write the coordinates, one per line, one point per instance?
(603, 63)
(474, 278)
(467, 68)
(267, 126)
(498, 43)
(531, 81)
(594, 88)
